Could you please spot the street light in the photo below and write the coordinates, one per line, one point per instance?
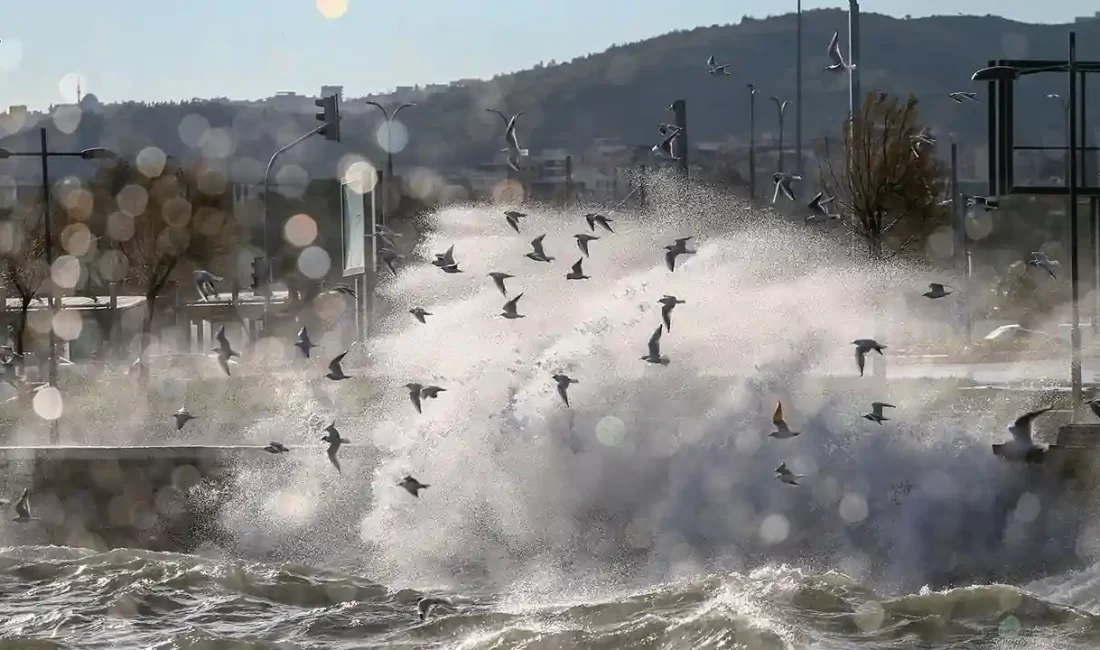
(798, 96)
(389, 119)
(752, 141)
(782, 107)
(44, 154)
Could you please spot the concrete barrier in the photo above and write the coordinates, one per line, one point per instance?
(164, 498)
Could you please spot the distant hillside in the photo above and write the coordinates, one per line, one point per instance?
(623, 92)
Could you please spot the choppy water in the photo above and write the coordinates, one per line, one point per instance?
(647, 514)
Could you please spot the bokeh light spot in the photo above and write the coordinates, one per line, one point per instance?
(610, 431)
(65, 271)
(774, 529)
(120, 226)
(67, 324)
(300, 230)
(76, 239)
(66, 118)
(361, 176)
(392, 136)
(71, 85)
(150, 161)
(332, 8)
(192, 129)
(314, 263)
(112, 265)
(48, 404)
(853, 508)
(132, 199)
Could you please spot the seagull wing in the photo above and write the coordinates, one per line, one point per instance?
(834, 49)
(563, 391)
(502, 115)
(777, 417)
(1021, 428)
(860, 358)
(710, 60)
(785, 187)
(223, 361)
(536, 244)
(655, 343)
(577, 267)
(334, 365)
(510, 306)
(23, 505)
(670, 259)
(414, 396)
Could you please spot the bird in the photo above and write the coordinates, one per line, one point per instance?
(537, 253)
(446, 258)
(563, 380)
(335, 370)
(413, 486)
(676, 249)
(204, 282)
(876, 412)
(386, 234)
(332, 437)
(961, 97)
(1021, 447)
(23, 508)
(414, 395)
(920, 139)
(936, 290)
(987, 202)
(424, 606)
(303, 343)
(577, 273)
(665, 145)
(582, 242)
(347, 291)
(863, 346)
(785, 475)
(510, 308)
(225, 350)
(594, 218)
(451, 268)
(714, 68)
(654, 351)
(1043, 261)
(419, 313)
(498, 279)
(511, 141)
(389, 256)
(838, 64)
(513, 217)
(818, 211)
(276, 448)
(668, 303)
(783, 184)
(431, 392)
(782, 431)
(182, 417)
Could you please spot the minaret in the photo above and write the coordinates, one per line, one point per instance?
(78, 95)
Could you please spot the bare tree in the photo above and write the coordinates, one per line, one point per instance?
(23, 265)
(883, 177)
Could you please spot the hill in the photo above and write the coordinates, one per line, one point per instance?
(623, 92)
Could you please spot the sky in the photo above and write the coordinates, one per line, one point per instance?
(154, 50)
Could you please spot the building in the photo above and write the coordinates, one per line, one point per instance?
(1085, 19)
(327, 91)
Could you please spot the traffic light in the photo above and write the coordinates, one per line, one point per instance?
(259, 277)
(330, 115)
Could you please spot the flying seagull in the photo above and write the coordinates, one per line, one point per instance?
(424, 606)
(665, 145)
(431, 392)
(838, 64)
(654, 349)
(414, 395)
(876, 412)
(335, 370)
(23, 508)
(182, 417)
(276, 448)
(582, 242)
(511, 141)
(1021, 447)
(668, 303)
(863, 346)
(419, 313)
(676, 249)
(987, 202)
(818, 209)
(412, 486)
(498, 279)
(537, 253)
(563, 380)
(446, 258)
(936, 290)
(961, 97)
(782, 431)
(332, 437)
(224, 350)
(386, 234)
(303, 343)
(1042, 261)
(513, 217)
(204, 282)
(577, 273)
(783, 184)
(509, 308)
(785, 475)
(714, 68)
(594, 218)
(389, 256)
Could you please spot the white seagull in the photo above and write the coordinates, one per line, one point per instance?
(838, 64)
(1043, 261)
(782, 182)
(876, 412)
(714, 68)
(653, 354)
(782, 431)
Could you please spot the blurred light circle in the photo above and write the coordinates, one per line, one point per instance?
(869, 616)
(120, 226)
(1027, 508)
(132, 200)
(112, 265)
(78, 203)
(979, 224)
(176, 212)
(361, 176)
(610, 431)
(392, 136)
(150, 161)
(71, 85)
(314, 263)
(853, 508)
(9, 192)
(67, 324)
(11, 54)
(65, 271)
(291, 181)
(774, 529)
(217, 144)
(66, 118)
(76, 239)
(332, 8)
(192, 129)
(300, 230)
(48, 403)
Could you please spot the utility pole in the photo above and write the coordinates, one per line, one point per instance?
(752, 142)
(798, 101)
(680, 143)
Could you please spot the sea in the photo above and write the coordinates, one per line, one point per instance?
(645, 514)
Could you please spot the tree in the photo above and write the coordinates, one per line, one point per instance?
(885, 191)
(165, 225)
(23, 265)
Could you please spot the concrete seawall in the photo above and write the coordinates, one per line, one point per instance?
(164, 498)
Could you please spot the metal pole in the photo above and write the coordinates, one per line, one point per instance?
(1075, 332)
(389, 172)
(781, 137)
(853, 59)
(752, 142)
(47, 229)
(962, 254)
(798, 101)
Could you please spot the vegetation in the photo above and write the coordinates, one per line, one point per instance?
(22, 262)
(885, 184)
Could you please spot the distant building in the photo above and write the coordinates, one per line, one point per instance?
(327, 91)
(291, 102)
(1085, 19)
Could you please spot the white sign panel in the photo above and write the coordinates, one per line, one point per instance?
(354, 219)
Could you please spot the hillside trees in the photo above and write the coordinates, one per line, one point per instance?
(884, 191)
(23, 262)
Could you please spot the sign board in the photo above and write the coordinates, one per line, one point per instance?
(353, 220)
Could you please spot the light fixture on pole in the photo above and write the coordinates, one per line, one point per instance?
(781, 106)
(389, 120)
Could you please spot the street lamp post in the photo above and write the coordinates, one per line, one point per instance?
(44, 154)
(781, 106)
(798, 97)
(752, 141)
(389, 119)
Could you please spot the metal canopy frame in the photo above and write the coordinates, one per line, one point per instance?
(1001, 130)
